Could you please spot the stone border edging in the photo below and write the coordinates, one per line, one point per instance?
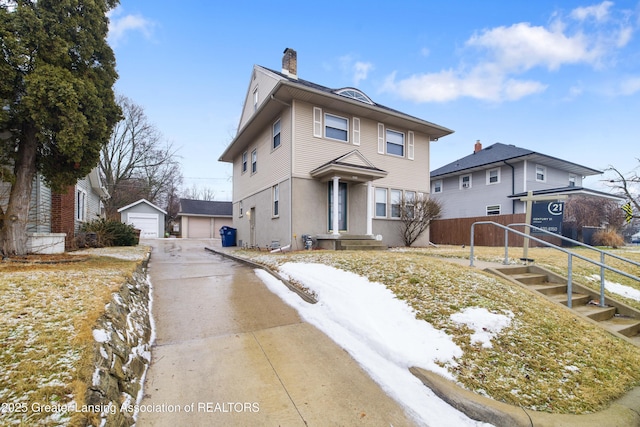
(308, 298)
(624, 412)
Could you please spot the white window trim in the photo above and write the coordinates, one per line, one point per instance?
(244, 162)
(255, 98)
(470, 181)
(573, 179)
(254, 155)
(399, 202)
(240, 209)
(544, 173)
(275, 194)
(346, 127)
(81, 205)
(381, 136)
(489, 176)
(435, 186)
(404, 143)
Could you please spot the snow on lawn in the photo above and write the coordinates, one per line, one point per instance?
(380, 332)
(617, 288)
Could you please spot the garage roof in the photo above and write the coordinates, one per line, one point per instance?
(205, 208)
(142, 201)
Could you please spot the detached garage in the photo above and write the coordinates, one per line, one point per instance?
(202, 219)
(146, 217)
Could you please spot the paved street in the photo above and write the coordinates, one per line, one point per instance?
(228, 352)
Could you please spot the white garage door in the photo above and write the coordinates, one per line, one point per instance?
(147, 223)
(199, 228)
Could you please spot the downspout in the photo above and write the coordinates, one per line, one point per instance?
(290, 166)
(513, 186)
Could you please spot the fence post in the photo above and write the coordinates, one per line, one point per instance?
(471, 254)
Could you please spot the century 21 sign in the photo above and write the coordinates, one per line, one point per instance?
(548, 216)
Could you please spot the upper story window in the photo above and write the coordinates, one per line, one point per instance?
(336, 127)
(437, 186)
(395, 143)
(254, 161)
(465, 181)
(240, 209)
(493, 176)
(245, 156)
(355, 94)
(276, 134)
(572, 180)
(381, 202)
(81, 204)
(541, 173)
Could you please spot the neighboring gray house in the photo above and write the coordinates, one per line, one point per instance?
(491, 180)
(202, 219)
(301, 146)
(146, 217)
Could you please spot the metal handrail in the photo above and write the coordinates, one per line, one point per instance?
(603, 253)
(570, 254)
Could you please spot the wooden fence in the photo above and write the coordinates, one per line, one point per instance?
(457, 231)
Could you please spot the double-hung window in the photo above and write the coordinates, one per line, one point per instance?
(244, 161)
(437, 186)
(410, 203)
(336, 127)
(276, 135)
(493, 176)
(541, 173)
(254, 161)
(81, 204)
(395, 143)
(381, 202)
(465, 181)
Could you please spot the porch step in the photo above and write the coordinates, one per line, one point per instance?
(614, 317)
(361, 245)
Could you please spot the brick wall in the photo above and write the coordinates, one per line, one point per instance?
(63, 214)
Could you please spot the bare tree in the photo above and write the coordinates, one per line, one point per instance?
(137, 163)
(196, 193)
(415, 216)
(628, 186)
(593, 212)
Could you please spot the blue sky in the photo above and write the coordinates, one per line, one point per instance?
(558, 77)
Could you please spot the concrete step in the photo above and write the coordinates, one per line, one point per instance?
(627, 326)
(576, 299)
(530, 278)
(595, 312)
(362, 245)
(550, 288)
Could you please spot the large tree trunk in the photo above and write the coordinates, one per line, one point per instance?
(13, 235)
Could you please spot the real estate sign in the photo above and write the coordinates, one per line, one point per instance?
(548, 216)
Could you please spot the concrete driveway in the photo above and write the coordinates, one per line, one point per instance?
(228, 352)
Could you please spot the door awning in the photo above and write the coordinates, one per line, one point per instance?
(350, 167)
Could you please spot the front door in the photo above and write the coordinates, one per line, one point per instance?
(342, 206)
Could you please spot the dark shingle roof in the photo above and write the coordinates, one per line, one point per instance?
(205, 208)
(498, 153)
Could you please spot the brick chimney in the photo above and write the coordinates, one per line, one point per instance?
(477, 147)
(290, 63)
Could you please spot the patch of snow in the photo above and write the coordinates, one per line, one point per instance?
(617, 288)
(485, 324)
(100, 335)
(379, 331)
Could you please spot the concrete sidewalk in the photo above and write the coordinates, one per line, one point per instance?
(229, 352)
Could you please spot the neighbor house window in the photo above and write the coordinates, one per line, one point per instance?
(336, 127)
(493, 176)
(381, 202)
(541, 173)
(437, 186)
(493, 210)
(276, 199)
(395, 143)
(254, 161)
(255, 99)
(276, 134)
(81, 204)
(240, 208)
(244, 161)
(465, 181)
(396, 200)
(572, 180)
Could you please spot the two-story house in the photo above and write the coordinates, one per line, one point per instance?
(492, 180)
(331, 163)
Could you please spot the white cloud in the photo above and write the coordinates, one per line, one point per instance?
(361, 71)
(507, 52)
(120, 25)
(629, 86)
(599, 12)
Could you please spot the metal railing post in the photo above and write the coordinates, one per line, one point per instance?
(602, 255)
(569, 280)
